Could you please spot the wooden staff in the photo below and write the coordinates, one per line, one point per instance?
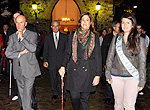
(62, 84)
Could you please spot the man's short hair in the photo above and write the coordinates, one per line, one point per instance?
(55, 21)
(114, 23)
(20, 12)
(5, 24)
(139, 25)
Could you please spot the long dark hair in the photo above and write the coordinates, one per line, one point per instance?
(133, 38)
(91, 19)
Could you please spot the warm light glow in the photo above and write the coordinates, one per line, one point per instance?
(129, 11)
(65, 19)
(34, 5)
(66, 29)
(98, 6)
(134, 6)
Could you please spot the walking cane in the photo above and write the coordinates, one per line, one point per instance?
(10, 79)
(62, 84)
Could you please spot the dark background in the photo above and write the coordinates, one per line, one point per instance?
(13, 6)
(142, 13)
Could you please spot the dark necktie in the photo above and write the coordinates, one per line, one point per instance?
(56, 40)
(19, 40)
(56, 37)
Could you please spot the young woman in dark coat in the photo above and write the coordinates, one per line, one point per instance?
(83, 62)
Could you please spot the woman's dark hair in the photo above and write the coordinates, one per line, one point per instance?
(91, 19)
(133, 38)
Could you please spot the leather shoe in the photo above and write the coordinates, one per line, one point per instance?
(108, 101)
(34, 106)
(54, 96)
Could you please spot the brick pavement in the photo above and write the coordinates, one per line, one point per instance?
(46, 103)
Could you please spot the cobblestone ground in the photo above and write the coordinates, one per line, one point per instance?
(97, 99)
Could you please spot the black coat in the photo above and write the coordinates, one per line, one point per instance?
(80, 75)
(54, 56)
(105, 47)
(4, 39)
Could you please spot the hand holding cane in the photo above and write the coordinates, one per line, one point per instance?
(62, 100)
(62, 73)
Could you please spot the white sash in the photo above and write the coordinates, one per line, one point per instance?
(127, 64)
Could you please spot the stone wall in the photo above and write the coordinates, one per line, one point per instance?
(45, 8)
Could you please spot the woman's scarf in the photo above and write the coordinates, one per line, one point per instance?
(86, 39)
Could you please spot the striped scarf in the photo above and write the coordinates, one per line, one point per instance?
(86, 39)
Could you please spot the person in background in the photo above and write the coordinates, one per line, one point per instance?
(109, 30)
(42, 36)
(55, 45)
(126, 64)
(4, 34)
(105, 47)
(104, 33)
(4, 64)
(1, 44)
(82, 60)
(141, 32)
(139, 29)
(146, 39)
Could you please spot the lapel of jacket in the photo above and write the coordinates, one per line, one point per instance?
(16, 41)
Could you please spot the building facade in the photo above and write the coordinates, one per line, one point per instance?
(48, 10)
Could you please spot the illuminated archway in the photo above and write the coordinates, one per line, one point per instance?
(67, 12)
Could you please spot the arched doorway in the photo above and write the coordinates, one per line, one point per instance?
(67, 12)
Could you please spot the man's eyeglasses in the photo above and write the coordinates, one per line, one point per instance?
(55, 26)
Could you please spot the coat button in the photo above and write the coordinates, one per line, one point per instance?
(85, 69)
(74, 69)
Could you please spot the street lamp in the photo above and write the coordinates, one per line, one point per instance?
(135, 7)
(34, 6)
(98, 6)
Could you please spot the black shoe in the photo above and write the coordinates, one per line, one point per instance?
(108, 101)
(55, 97)
(34, 106)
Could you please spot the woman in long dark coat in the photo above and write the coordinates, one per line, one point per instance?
(83, 62)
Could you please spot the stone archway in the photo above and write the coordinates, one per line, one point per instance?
(66, 9)
(45, 9)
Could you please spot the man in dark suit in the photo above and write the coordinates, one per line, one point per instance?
(21, 48)
(105, 47)
(54, 47)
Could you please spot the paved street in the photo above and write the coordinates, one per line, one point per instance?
(46, 103)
